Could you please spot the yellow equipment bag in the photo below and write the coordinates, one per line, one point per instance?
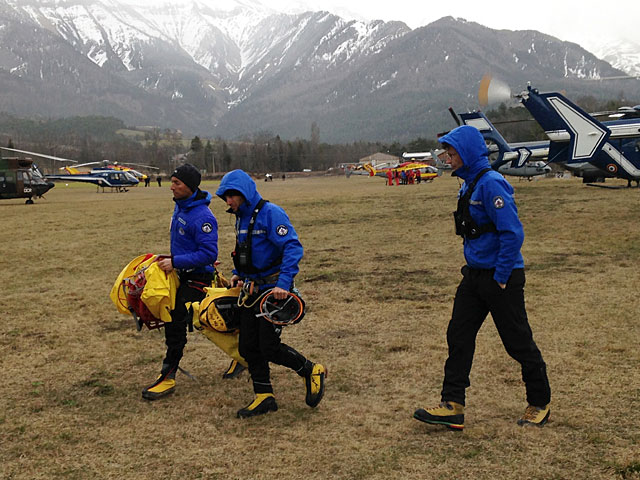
(219, 310)
(227, 342)
(216, 317)
(145, 291)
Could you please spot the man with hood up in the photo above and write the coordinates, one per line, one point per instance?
(266, 256)
(194, 249)
(493, 282)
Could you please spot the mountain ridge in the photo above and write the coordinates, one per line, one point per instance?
(245, 69)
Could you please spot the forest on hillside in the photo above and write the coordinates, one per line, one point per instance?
(94, 138)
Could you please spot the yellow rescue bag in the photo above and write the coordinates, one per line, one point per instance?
(145, 291)
(216, 317)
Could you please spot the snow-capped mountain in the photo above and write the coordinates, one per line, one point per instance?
(240, 67)
(621, 54)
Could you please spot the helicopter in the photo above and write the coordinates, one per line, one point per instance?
(577, 137)
(523, 159)
(107, 178)
(106, 165)
(20, 178)
(103, 178)
(427, 171)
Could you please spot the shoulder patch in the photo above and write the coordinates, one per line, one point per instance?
(282, 230)
(207, 228)
(498, 202)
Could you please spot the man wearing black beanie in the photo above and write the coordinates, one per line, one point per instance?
(189, 175)
(194, 249)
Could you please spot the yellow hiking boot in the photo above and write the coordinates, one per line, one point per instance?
(263, 403)
(536, 416)
(449, 414)
(314, 382)
(162, 387)
(234, 370)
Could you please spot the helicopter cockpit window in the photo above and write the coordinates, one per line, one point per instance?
(26, 178)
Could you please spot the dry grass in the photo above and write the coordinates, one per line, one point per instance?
(379, 274)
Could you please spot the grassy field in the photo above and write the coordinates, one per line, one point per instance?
(380, 270)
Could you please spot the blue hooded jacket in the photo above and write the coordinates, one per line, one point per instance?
(491, 202)
(194, 234)
(273, 235)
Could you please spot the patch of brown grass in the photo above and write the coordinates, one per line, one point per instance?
(380, 271)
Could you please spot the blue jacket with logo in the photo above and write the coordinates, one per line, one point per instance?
(491, 202)
(194, 234)
(273, 236)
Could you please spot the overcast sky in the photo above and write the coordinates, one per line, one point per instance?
(587, 22)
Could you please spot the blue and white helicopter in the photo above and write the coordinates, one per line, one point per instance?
(577, 137)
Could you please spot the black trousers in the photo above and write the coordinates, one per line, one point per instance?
(478, 294)
(191, 289)
(259, 344)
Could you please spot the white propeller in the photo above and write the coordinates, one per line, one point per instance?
(492, 90)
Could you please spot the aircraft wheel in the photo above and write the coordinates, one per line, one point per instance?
(29, 201)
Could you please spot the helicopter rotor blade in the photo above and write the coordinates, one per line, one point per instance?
(42, 155)
(619, 77)
(87, 164)
(455, 116)
(492, 91)
(141, 165)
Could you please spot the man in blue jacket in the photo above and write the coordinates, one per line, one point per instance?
(194, 249)
(493, 282)
(266, 256)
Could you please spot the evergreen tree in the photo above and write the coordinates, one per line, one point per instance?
(226, 157)
(209, 163)
(196, 153)
(196, 144)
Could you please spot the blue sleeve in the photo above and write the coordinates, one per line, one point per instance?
(282, 234)
(501, 209)
(204, 232)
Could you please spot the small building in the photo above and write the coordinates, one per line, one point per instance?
(380, 159)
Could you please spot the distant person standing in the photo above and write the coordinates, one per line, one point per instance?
(493, 282)
(390, 177)
(147, 180)
(159, 180)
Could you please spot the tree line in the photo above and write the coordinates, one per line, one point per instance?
(95, 138)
